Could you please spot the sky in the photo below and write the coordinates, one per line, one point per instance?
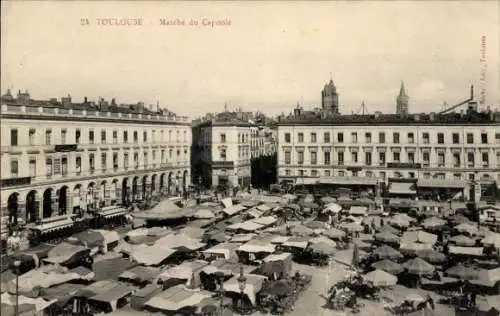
(272, 56)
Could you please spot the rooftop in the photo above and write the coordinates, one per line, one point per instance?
(225, 119)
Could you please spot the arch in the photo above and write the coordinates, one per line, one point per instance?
(115, 188)
(153, 183)
(134, 188)
(162, 181)
(144, 187)
(91, 196)
(104, 192)
(63, 200)
(13, 207)
(185, 179)
(170, 183)
(47, 203)
(77, 197)
(31, 207)
(125, 192)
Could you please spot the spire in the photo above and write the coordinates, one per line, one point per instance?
(402, 91)
(225, 107)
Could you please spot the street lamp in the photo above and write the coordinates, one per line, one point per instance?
(242, 283)
(17, 265)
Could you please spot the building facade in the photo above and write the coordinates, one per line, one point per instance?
(454, 146)
(63, 158)
(222, 152)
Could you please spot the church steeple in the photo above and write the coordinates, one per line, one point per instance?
(330, 97)
(402, 101)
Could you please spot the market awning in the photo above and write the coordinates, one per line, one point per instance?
(53, 226)
(112, 212)
(233, 209)
(437, 183)
(402, 188)
(176, 298)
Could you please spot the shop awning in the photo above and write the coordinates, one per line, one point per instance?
(402, 188)
(53, 226)
(112, 212)
(348, 181)
(437, 183)
(231, 210)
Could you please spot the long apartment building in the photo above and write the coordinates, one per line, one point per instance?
(456, 146)
(59, 157)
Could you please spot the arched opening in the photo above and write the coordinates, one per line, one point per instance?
(170, 183)
(12, 207)
(178, 180)
(144, 187)
(91, 197)
(153, 183)
(125, 192)
(104, 194)
(63, 200)
(162, 181)
(77, 192)
(134, 188)
(31, 207)
(47, 203)
(115, 187)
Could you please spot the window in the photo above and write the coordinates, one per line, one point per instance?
(153, 156)
(14, 169)
(340, 137)
(91, 137)
(396, 157)
(288, 157)
(115, 161)
(368, 158)
(456, 160)
(354, 137)
(162, 156)
(146, 161)
(177, 133)
(381, 158)
(63, 136)
(48, 167)
(484, 138)
(470, 138)
(327, 173)
(300, 157)
(13, 137)
(354, 157)
(115, 137)
(162, 135)
(497, 138)
(136, 160)
(301, 137)
(425, 138)
(382, 174)
(426, 157)
(498, 159)
(31, 136)
(441, 160)
(125, 137)
(411, 157)
(48, 137)
(485, 159)
(411, 138)
(170, 154)
(427, 175)
(313, 137)
(78, 165)
(64, 166)
(169, 135)
(288, 172)
(136, 137)
(341, 173)
(32, 167)
(104, 162)
(457, 176)
(91, 163)
(314, 158)
(455, 138)
(223, 154)
(326, 137)
(411, 174)
(314, 173)
(470, 160)
(381, 137)
(395, 138)
(56, 166)
(340, 158)
(288, 138)
(440, 138)
(300, 173)
(103, 137)
(368, 138)
(125, 160)
(327, 159)
(77, 136)
(145, 136)
(222, 137)
(369, 174)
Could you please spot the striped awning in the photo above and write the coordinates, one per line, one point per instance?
(53, 226)
(119, 211)
(437, 183)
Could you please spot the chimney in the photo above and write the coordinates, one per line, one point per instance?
(432, 116)
(377, 114)
(416, 117)
(85, 100)
(113, 102)
(472, 92)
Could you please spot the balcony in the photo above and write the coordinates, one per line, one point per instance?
(64, 148)
(5, 183)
